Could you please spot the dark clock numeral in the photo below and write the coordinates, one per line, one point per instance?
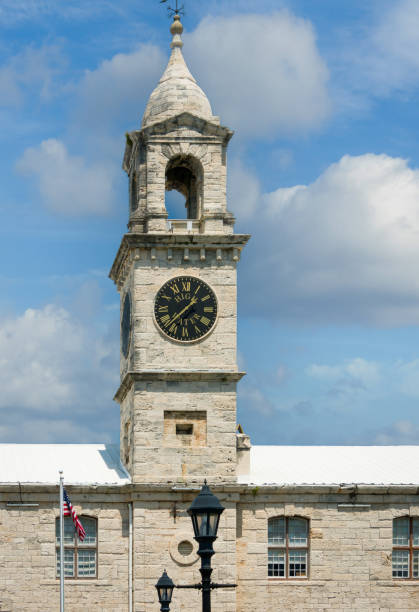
(184, 312)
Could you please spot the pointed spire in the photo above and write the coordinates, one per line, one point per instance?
(176, 68)
(177, 90)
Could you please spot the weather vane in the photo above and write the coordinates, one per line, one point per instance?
(179, 10)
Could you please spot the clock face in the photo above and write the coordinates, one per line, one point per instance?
(185, 308)
(126, 325)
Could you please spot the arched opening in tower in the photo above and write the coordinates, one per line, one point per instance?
(184, 175)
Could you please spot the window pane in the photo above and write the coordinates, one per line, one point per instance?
(68, 562)
(297, 567)
(86, 563)
(276, 531)
(297, 532)
(416, 564)
(68, 531)
(401, 532)
(415, 528)
(89, 525)
(276, 563)
(400, 563)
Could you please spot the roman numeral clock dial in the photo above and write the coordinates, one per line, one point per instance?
(185, 309)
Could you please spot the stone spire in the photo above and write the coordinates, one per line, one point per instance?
(177, 91)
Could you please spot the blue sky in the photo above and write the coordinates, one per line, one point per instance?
(323, 172)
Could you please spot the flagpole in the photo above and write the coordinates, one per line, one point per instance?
(61, 543)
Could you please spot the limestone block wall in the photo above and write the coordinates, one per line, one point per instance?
(158, 458)
(349, 562)
(28, 556)
(349, 558)
(151, 349)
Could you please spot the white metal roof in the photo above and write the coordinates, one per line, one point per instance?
(99, 464)
(81, 463)
(333, 465)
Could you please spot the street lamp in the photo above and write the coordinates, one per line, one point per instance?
(205, 512)
(165, 588)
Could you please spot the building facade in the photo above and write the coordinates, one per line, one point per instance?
(305, 528)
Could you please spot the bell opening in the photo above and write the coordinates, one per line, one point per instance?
(184, 187)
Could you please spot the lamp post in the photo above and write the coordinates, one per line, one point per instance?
(205, 512)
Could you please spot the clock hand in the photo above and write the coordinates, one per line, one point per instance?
(192, 302)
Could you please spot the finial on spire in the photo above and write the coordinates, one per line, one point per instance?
(176, 30)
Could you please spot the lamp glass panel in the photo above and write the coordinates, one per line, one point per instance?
(195, 525)
(213, 524)
(202, 520)
(162, 594)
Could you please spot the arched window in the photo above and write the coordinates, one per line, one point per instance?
(184, 174)
(80, 558)
(405, 557)
(288, 547)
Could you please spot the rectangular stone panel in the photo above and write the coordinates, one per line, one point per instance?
(185, 428)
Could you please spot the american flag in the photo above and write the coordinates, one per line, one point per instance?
(68, 510)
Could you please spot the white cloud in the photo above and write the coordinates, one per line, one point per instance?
(47, 358)
(58, 375)
(342, 249)
(33, 71)
(120, 87)
(394, 60)
(66, 183)
(262, 73)
(379, 57)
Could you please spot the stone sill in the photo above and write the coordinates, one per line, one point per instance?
(397, 583)
(306, 583)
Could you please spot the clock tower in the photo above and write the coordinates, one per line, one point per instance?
(177, 282)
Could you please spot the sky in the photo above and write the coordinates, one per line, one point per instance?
(323, 172)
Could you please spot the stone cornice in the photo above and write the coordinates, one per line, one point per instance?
(26, 492)
(161, 129)
(133, 241)
(174, 376)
